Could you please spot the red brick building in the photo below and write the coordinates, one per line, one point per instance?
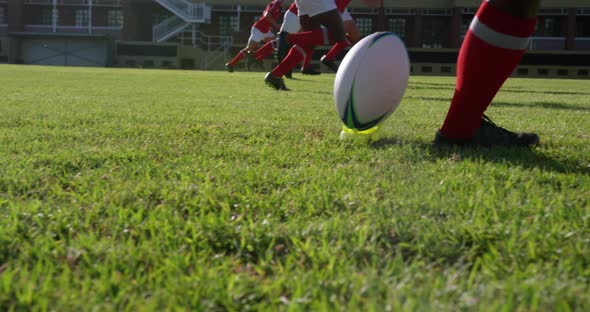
(89, 32)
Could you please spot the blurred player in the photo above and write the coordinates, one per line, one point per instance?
(291, 25)
(312, 15)
(353, 35)
(261, 32)
(493, 47)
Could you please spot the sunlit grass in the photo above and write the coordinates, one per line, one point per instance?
(147, 190)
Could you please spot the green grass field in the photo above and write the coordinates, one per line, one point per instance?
(144, 190)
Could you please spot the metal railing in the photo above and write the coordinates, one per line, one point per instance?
(213, 56)
(76, 2)
(189, 11)
(168, 28)
(547, 43)
(583, 44)
(73, 29)
(199, 39)
(216, 47)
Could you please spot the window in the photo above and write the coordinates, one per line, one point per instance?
(434, 32)
(583, 26)
(549, 26)
(467, 19)
(114, 18)
(81, 17)
(397, 25)
(227, 24)
(47, 16)
(365, 25)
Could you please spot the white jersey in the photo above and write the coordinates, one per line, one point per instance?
(290, 23)
(257, 36)
(314, 7)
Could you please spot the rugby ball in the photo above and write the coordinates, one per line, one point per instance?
(371, 80)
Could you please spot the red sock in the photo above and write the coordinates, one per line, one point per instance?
(310, 38)
(266, 50)
(336, 50)
(492, 49)
(237, 58)
(307, 60)
(295, 56)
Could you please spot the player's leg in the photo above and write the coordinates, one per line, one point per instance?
(349, 28)
(255, 56)
(234, 61)
(307, 68)
(307, 24)
(290, 25)
(266, 50)
(252, 46)
(255, 37)
(333, 30)
(352, 31)
(493, 47)
(321, 12)
(304, 42)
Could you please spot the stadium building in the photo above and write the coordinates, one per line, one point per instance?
(204, 34)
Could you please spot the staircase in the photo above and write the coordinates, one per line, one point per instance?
(185, 14)
(169, 28)
(184, 24)
(216, 53)
(214, 49)
(188, 11)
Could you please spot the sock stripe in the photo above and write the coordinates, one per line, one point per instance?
(487, 34)
(300, 50)
(326, 36)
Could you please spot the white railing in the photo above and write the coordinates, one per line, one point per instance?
(76, 2)
(168, 28)
(557, 43)
(213, 56)
(189, 11)
(583, 44)
(99, 30)
(547, 43)
(215, 47)
(206, 42)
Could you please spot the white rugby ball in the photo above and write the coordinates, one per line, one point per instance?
(371, 80)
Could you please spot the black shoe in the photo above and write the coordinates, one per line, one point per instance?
(229, 68)
(330, 64)
(275, 82)
(310, 71)
(289, 75)
(489, 134)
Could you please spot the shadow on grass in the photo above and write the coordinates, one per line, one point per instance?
(320, 92)
(544, 105)
(524, 157)
(451, 87)
(444, 86)
(544, 92)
